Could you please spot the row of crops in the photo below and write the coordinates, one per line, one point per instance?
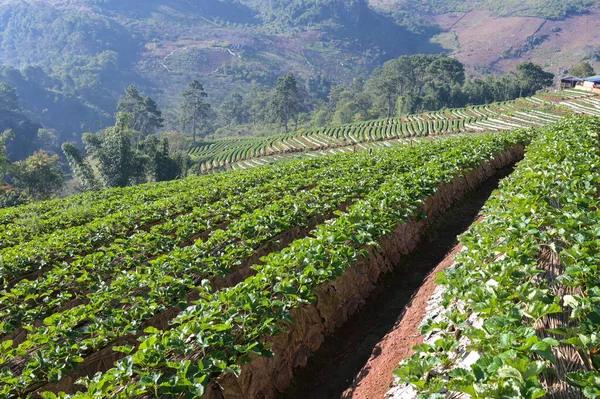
(539, 110)
(519, 314)
(153, 298)
(366, 146)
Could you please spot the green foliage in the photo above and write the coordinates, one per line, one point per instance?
(47, 100)
(4, 161)
(40, 175)
(234, 110)
(418, 83)
(13, 118)
(114, 161)
(118, 163)
(194, 109)
(221, 328)
(145, 117)
(531, 77)
(83, 54)
(544, 216)
(10, 196)
(411, 76)
(582, 70)
(162, 166)
(353, 117)
(286, 103)
(80, 166)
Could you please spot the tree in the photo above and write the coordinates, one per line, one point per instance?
(80, 166)
(387, 84)
(145, 119)
(195, 110)
(319, 87)
(257, 102)
(118, 164)
(583, 70)
(162, 166)
(446, 70)
(234, 111)
(286, 103)
(531, 78)
(9, 101)
(47, 139)
(39, 175)
(14, 119)
(321, 117)
(177, 142)
(4, 161)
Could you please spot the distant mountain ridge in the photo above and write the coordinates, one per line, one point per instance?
(92, 49)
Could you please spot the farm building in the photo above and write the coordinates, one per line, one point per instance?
(590, 84)
(569, 82)
(593, 81)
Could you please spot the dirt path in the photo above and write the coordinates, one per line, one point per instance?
(357, 362)
(375, 378)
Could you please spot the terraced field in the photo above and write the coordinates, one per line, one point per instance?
(518, 313)
(180, 289)
(221, 285)
(533, 111)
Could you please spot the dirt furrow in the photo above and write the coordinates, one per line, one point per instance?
(358, 360)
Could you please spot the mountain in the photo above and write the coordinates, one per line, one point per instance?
(494, 36)
(96, 48)
(81, 54)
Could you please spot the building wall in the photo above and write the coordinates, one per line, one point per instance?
(588, 85)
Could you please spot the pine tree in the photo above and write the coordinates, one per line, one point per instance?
(194, 109)
(145, 119)
(286, 103)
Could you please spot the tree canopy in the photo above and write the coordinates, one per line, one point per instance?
(286, 103)
(194, 109)
(583, 70)
(40, 175)
(145, 118)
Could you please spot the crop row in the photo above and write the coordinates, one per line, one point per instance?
(29, 299)
(18, 224)
(63, 281)
(358, 147)
(48, 250)
(520, 315)
(220, 329)
(533, 111)
(165, 280)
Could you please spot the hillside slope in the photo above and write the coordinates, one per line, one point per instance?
(90, 50)
(97, 47)
(495, 36)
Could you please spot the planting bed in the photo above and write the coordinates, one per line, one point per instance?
(518, 314)
(172, 315)
(229, 294)
(539, 110)
(358, 360)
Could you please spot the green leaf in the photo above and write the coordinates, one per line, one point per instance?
(509, 372)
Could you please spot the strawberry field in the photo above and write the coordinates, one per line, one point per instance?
(518, 315)
(540, 110)
(169, 289)
(221, 285)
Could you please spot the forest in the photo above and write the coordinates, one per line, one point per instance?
(138, 148)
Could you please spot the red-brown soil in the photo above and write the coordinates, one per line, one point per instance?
(357, 362)
(484, 38)
(375, 378)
